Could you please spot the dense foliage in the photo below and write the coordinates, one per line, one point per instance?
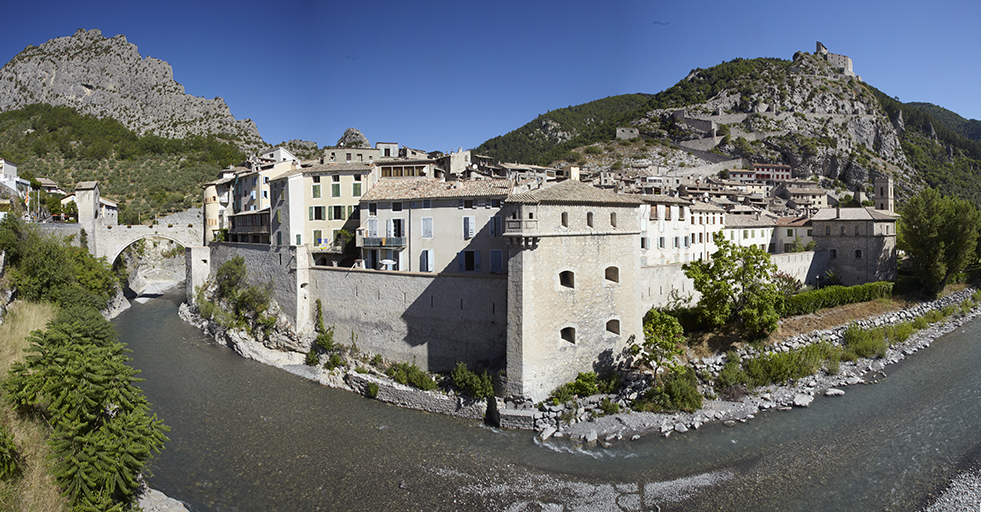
(702, 85)
(968, 128)
(146, 174)
(477, 385)
(76, 376)
(45, 268)
(939, 235)
(736, 286)
(835, 295)
(585, 124)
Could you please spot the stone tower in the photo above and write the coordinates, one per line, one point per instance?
(884, 199)
(87, 201)
(573, 301)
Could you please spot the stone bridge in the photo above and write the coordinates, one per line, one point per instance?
(108, 239)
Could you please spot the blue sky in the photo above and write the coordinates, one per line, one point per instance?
(442, 75)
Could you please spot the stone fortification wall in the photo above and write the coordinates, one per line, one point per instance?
(432, 320)
(265, 264)
(658, 282)
(805, 266)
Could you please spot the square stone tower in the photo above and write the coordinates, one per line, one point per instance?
(884, 199)
(573, 296)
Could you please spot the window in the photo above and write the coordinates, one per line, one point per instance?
(745, 234)
(843, 231)
(687, 241)
(356, 188)
(336, 213)
(372, 209)
(567, 279)
(810, 232)
(336, 178)
(565, 219)
(397, 207)
(660, 242)
(348, 157)
(827, 230)
(279, 216)
(589, 219)
(569, 334)
(279, 238)
(613, 219)
(856, 230)
(394, 227)
(469, 261)
(495, 203)
(613, 326)
(335, 189)
(700, 237)
(372, 228)
(834, 253)
(468, 204)
(316, 191)
(298, 240)
(357, 177)
(427, 204)
(612, 274)
(354, 212)
(469, 226)
(316, 213)
(265, 194)
(496, 226)
(790, 232)
(497, 261)
(426, 260)
(858, 254)
(643, 242)
(427, 227)
(317, 236)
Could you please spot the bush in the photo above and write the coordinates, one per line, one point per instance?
(372, 391)
(333, 362)
(410, 374)
(836, 295)
(679, 391)
(10, 460)
(312, 359)
(609, 407)
(865, 343)
(476, 385)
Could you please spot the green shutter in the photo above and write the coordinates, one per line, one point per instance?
(330, 213)
(311, 213)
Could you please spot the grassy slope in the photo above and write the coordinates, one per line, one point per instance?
(36, 490)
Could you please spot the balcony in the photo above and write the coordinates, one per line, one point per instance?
(325, 245)
(521, 227)
(380, 241)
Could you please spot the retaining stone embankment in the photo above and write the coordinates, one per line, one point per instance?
(582, 420)
(345, 377)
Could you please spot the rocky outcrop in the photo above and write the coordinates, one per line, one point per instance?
(353, 138)
(109, 78)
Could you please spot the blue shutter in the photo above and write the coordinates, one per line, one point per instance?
(461, 260)
(476, 261)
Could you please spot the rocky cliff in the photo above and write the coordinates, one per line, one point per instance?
(109, 78)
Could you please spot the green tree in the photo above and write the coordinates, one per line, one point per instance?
(939, 234)
(735, 285)
(663, 337)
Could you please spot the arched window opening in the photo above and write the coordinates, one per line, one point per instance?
(589, 219)
(613, 326)
(569, 334)
(565, 219)
(567, 279)
(613, 219)
(613, 274)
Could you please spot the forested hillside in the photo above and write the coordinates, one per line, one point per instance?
(969, 128)
(551, 135)
(147, 175)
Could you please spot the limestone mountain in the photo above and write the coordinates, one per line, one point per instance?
(108, 78)
(809, 112)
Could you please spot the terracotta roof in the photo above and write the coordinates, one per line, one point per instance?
(663, 199)
(867, 213)
(574, 192)
(428, 188)
(793, 221)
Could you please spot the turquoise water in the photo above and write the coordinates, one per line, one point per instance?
(249, 437)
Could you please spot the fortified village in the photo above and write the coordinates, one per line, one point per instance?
(433, 258)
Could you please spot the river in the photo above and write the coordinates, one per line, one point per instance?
(248, 437)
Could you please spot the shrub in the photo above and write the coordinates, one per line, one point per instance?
(585, 384)
(372, 391)
(679, 391)
(10, 460)
(609, 407)
(476, 385)
(312, 359)
(562, 394)
(836, 295)
(732, 374)
(865, 343)
(377, 361)
(325, 339)
(333, 362)
(410, 374)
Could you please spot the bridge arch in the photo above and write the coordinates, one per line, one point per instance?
(111, 240)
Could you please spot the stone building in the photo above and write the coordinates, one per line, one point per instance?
(573, 263)
(861, 243)
(840, 62)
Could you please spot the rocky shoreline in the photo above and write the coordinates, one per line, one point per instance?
(606, 429)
